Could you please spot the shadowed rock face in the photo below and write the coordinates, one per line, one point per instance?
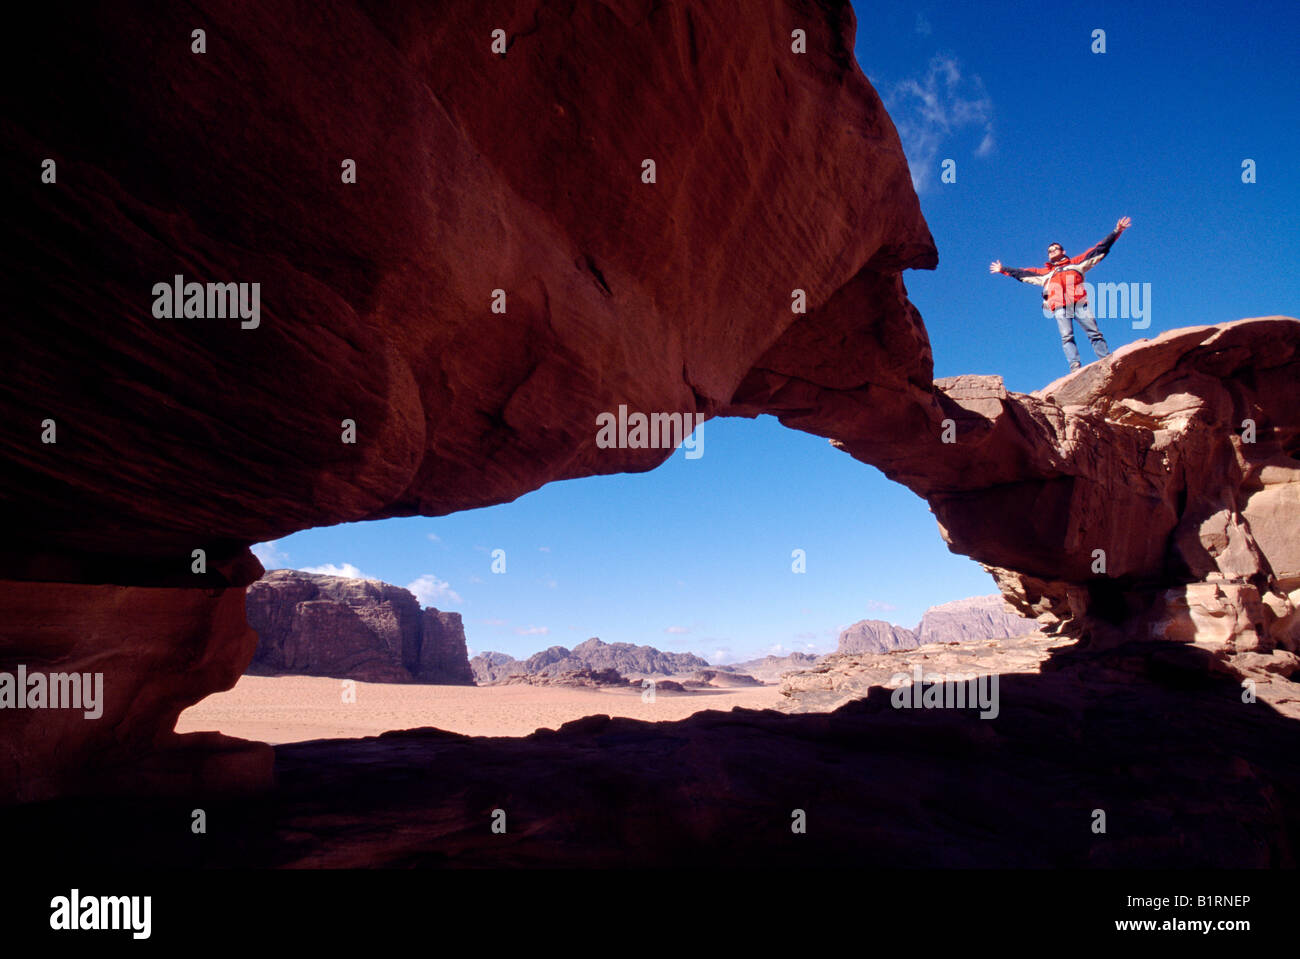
(155, 652)
(774, 172)
(476, 172)
(444, 655)
(1189, 777)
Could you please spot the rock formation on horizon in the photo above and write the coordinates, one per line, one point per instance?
(583, 676)
(960, 621)
(963, 620)
(724, 678)
(771, 668)
(975, 618)
(846, 676)
(876, 636)
(310, 624)
(181, 442)
(626, 659)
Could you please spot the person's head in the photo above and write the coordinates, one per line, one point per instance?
(1055, 252)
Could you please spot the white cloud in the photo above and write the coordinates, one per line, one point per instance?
(430, 590)
(720, 656)
(330, 569)
(493, 622)
(677, 630)
(923, 25)
(434, 538)
(929, 111)
(534, 631)
(270, 554)
(543, 549)
(882, 606)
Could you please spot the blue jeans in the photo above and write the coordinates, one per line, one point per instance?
(1065, 316)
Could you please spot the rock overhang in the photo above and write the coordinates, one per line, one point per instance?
(524, 174)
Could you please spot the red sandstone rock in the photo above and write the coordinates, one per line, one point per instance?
(444, 654)
(476, 172)
(157, 651)
(1141, 456)
(314, 625)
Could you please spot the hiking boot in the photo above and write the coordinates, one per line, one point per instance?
(1075, 366)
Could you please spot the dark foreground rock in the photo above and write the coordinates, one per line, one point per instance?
(1186, 773)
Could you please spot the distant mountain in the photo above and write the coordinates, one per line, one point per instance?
(980, 617)
(594, 655)
(314, 625)
(769, 669)
(875, 636)
(490, 667)
(965, 620)
(961, 621)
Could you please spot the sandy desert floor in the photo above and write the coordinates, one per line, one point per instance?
(290, 709)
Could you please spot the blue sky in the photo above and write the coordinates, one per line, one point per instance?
(1051, 142)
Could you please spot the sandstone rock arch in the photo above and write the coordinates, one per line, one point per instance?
(477, 172)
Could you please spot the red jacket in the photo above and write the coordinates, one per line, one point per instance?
(1062, 279)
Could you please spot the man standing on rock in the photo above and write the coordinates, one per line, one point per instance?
(1064, 294)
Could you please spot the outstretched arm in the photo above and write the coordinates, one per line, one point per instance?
(1090, 258)
(1034, 276)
